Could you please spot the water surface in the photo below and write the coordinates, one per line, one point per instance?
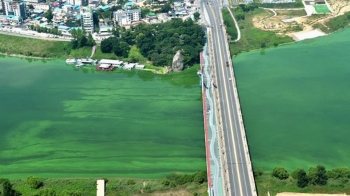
(296, 103)
(57, 121)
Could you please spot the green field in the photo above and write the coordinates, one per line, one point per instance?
(322, 9)
(61, 122)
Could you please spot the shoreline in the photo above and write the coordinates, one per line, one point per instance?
(24, 56)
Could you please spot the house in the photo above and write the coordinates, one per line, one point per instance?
(139, 66)
(106, 29)
(94, 3)
(41, 6)
(129, 66)
(114, 63)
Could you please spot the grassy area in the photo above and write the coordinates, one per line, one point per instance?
(322, 9)
(267, 183)
(81, 52)
(335, 23)
(229, 24)
(291, 13)
(117, 186)
(297, 4)
(33, 47)
(254, 38)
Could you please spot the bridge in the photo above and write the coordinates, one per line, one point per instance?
(228, 159)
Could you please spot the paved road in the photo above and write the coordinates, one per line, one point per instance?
(236, 156)
(28, 35)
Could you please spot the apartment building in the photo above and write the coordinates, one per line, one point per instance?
(14, 7)
(127, 17)
(86, 19)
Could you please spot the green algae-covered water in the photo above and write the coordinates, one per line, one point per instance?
(296, 103)
(57, 121)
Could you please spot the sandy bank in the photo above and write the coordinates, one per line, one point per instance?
(308, 194)
(307, 34)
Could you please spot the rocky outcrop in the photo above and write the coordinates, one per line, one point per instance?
(178, 64)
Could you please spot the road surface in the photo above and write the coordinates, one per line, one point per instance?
(235, 155)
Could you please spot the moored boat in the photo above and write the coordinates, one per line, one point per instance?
(71, 61)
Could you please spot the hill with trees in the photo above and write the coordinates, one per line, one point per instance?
(159, 42)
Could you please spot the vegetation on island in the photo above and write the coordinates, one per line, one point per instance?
(195, 184)
(159, 42)
(315, 180)
(251, 37)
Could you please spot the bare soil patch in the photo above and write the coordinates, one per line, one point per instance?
(308, 194)
(298, 22)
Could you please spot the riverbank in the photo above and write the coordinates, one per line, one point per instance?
(23, 47)
(175, 184)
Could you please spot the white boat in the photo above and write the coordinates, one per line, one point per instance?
(71, 61)
(88, 61)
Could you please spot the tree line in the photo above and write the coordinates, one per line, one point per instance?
(314, 176)
(37, 186)
(40, 29)
(159, 42)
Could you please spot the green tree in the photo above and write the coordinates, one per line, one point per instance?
(196, 16)
(107, 45)
(302, 179)
(90, 40)
(49, 15)
(317, 175)
(280, 173)
(7, 188)
(34, 182)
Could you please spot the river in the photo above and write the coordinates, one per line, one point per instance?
(61, 122)
(296, 103)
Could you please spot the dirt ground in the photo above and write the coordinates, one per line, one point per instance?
(170, 193)
(307, 194)
(270, 21)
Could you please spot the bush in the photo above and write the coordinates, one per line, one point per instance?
(280, 173)
(130, 182)
(34, 182)
(341, 172)
(166, 182)
(46, 192)
(258, 172)
(200, 177)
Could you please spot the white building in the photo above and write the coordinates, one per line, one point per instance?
(94, 3)
(16, 8)
(127, 17)
(74, 2)
(100, 188)
(86, 19)
(41, 6)
(33, 1)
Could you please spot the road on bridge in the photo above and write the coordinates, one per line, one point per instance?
(236, 158)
